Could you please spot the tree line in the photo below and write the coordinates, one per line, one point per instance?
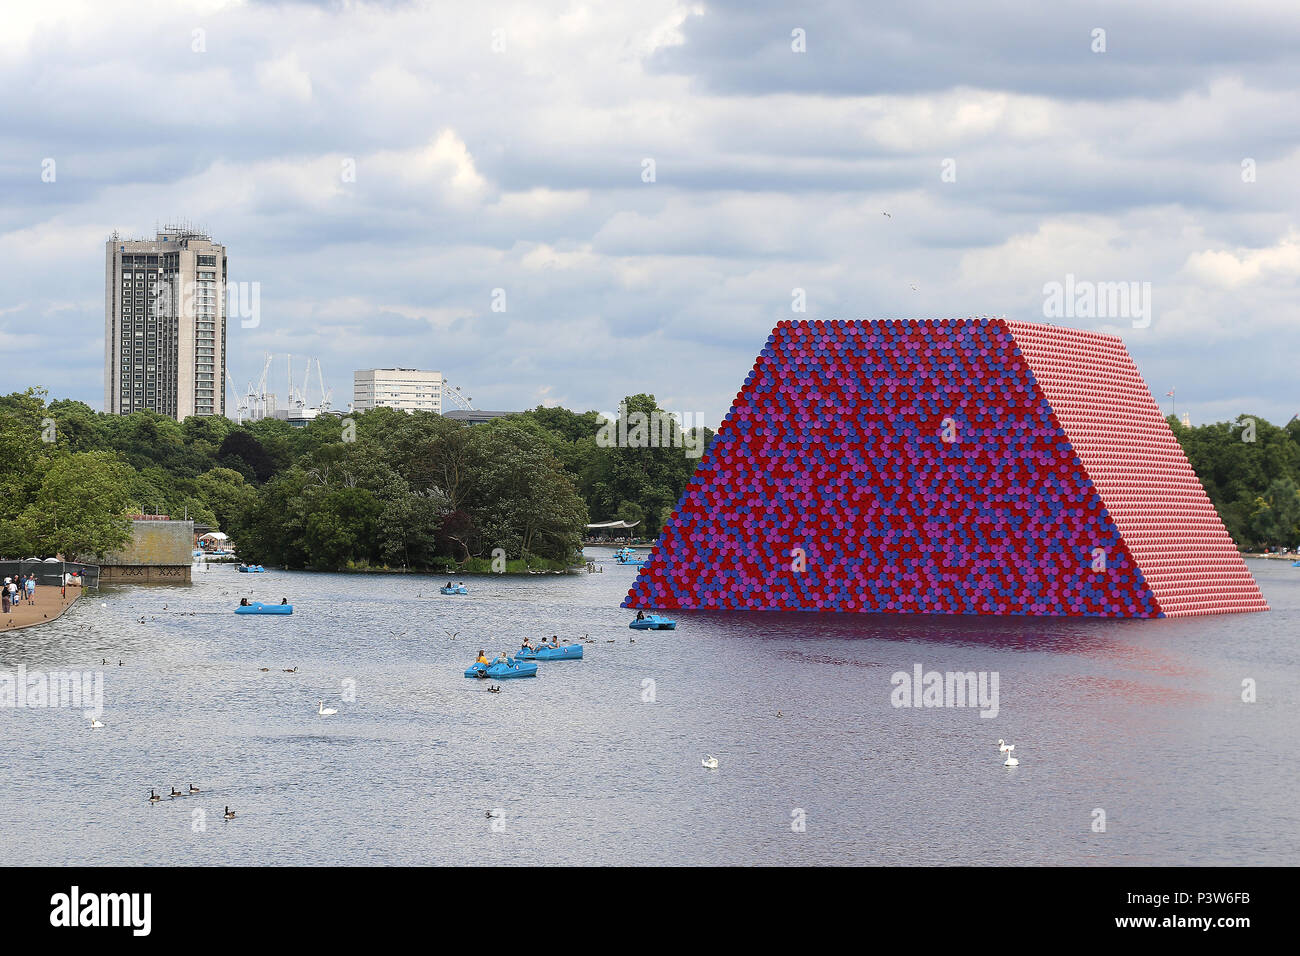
(388, 489)
(1251, 471)
(381, 488)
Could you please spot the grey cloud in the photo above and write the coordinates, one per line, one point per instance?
(1155, 49)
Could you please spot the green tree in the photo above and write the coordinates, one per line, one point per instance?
(523, 501)
(226, 494)
(24, 458)
(340, 527)
(243, 452)
(1236, 463)
(270, 531)
(78, 427)
(80, 509)
(646, 463)
(1276, 518)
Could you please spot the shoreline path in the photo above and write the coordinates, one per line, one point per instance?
(49, 605)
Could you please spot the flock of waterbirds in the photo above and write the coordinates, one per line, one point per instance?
(155, 797)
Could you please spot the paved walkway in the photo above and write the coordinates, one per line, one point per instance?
(49, 605)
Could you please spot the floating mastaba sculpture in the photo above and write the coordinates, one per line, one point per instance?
(956, 466)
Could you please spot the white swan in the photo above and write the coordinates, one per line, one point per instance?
(709, 763)
(323, 710)
(96, 723)
(1011, 762)
(1005, 747)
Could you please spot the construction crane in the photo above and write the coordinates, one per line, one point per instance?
(260, 407)
(301, 399)
(258, 403)
(241, 408)
(325, 394)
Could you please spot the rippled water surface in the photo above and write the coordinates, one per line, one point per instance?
(1141, 719)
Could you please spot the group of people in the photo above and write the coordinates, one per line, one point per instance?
(527, 645)
(16, 591)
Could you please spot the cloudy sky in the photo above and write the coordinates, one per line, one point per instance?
(512, 146)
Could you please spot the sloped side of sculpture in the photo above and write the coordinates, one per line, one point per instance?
(893, 467)
(1168, 524)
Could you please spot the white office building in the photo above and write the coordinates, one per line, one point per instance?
(408, 389)
(165, 324)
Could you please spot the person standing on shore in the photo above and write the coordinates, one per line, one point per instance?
(31, 589)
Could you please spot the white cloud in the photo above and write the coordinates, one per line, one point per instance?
(444, 165)
(1232, 268)
(285, 77)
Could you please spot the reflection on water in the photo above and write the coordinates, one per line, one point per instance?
(599, 760)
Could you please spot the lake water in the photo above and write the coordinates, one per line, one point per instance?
(1141, 719)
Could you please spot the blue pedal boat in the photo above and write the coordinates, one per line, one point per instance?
(565, 652)
(257, 607)
(652, 622)
(498, 670)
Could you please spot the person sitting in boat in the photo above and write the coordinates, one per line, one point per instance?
(243, 602)
(460, 584)
(527, 645)
(555, 640)
(448, 585)
(284, 600)
(482, 658)
(503, 659)
(640, 615)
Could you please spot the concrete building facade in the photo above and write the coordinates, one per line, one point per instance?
(159, 552)
(407, 389)
(165, 324)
